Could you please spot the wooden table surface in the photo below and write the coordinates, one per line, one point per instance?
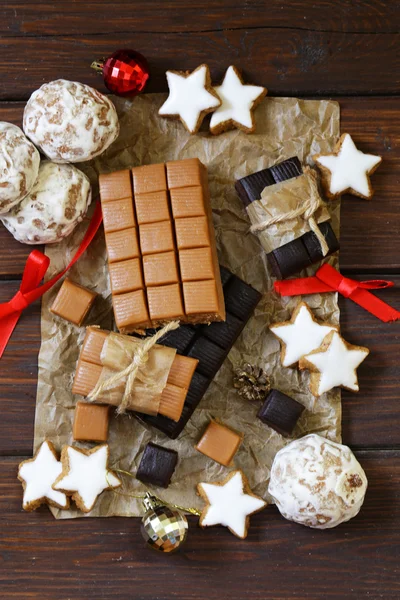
(348, 50)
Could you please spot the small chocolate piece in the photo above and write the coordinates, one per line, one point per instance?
(286, 169)
(220, 443)
(209, 355)
(224, 334)
(73, 302)
(289, 258)
(179, 338)
(157, 465)
(280, 412)
(91, 422)
(313, 246)
(240, 300)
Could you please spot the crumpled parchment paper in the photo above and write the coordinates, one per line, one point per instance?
(285, 127)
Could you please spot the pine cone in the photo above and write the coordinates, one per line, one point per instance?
(251, 382)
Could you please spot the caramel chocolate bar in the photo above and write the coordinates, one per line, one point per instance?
(73, 302)
(91, 422)
(157, 465)
(280, 412)
(301, 252)
(210, 345)
(220, 443)
(161, 245)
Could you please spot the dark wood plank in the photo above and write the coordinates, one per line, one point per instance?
(105, 558)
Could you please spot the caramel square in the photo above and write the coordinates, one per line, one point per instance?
(156, 237)
(192, 232)
(86, 376)
(91, 422)
(149, 178)
(160, 269)
(73, 302)
(126, 276)
(187, 202)
(200, 297)
(118, 215)
(219, 443)
(165, 302)
(130, 311)
(182, 371)
(196, 263)
(184, 173)
(172, 401)
(152, 207)
(122, 244)
(93, 345)
(115, 186)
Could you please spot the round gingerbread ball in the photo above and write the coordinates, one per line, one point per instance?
(19, 166)
(57, 203)
(70, 121)
(318, 483)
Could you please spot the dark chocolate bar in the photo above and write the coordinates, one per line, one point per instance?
(157, 465)
(210, 344)
(280, 412)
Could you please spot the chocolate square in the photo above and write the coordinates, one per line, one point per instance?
(313, 246)
(286, 169)
(122, 245)
(289, 258)
(280, 412)
(160, 269)
(192, 232)
(200, 297)
(196, 264)
(225, 274)
(165, 302)
(240, 299)
(179, 338)
(225, 333)
(125, 276)
(156, 237)
(209, 355)
(157, 465)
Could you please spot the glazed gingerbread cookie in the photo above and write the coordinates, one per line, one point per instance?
(347, 169)
(238, 101)
(334, 364)
(299, 336)
(191, 97)
(229, 503)
(37, 475)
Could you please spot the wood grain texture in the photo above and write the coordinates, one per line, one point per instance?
(45, 559)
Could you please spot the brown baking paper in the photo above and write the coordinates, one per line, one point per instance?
(285, 127)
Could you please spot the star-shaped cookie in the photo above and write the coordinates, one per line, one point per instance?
(299, 336)
(334, 364)
(191, 97)
(85, 475)
(238, 101)
(347, 169)
(38, 475)
(229, 503)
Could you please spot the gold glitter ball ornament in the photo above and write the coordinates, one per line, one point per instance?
(163, 528)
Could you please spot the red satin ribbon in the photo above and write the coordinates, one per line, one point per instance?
(35, 269)
(328, 279)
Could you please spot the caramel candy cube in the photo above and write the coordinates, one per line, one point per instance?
(172, 401)
(200, 297)
(118, 215)
(219, 443)
(122, 245)
(160, 269)
(156, 237)
(182, 371)
(192, 232)
(93, 345)
(187, 202)
(73, 302)
(184, 173)
(149, 178)
(86, 377)
(130, 311)
(91, 422)
(152, 207)
(115, 186)
(126, 276)
(165, 302)
(196, 263)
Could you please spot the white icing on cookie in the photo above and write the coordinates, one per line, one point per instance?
(39, 474)
(229, 505)
(188, 97)
(300, 336)
(337, 365)
(19, 166)
(237, 101)
(57, 203)
(87, 475)
(350, 168)
(318, 483)
(70, 121)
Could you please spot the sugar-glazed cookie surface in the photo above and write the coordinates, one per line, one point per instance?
(38, 475)
(299, 336)
(229, 503)
(334, 364)
(85, 475)
(347, 169)
(19, 166)
(191, 97)
(70, 121)
(317, 483)
(238, 101)
(57, 203)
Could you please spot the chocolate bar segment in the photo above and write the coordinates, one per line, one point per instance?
(313, 246)
(280, 412)
(157, 465)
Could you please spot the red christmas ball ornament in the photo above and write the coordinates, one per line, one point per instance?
(125, 72)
